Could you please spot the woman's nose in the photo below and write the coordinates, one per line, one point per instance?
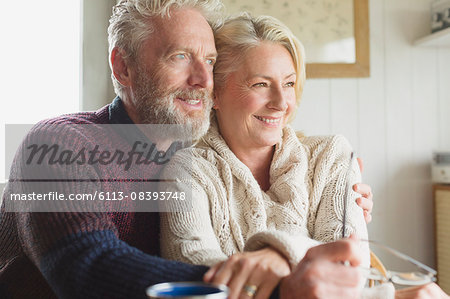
(278, 100)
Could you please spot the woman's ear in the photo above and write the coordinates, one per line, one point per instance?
(120, 67)
(215, 101)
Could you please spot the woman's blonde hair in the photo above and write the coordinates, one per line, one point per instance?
(130, 23)
(240, 33)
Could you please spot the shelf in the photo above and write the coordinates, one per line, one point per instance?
(437, 39)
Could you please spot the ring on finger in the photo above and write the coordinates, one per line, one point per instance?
(250, 290)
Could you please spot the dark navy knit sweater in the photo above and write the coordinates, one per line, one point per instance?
(84, 255)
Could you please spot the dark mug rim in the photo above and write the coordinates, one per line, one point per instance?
(154, 291)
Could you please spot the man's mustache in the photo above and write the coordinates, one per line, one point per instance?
(200, 94)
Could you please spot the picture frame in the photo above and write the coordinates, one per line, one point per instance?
(320, 14)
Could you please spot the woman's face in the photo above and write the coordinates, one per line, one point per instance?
(254, 104)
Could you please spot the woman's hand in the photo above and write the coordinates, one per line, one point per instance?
(322, 273)
(250, 274)
(428, 291)
(365, 201)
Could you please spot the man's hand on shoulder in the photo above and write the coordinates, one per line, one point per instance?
(366, 199)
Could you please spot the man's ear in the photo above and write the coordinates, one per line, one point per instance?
(120, 67)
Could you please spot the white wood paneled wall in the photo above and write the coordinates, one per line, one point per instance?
(96, 85)
(394, 120)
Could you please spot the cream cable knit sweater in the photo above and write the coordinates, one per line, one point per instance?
(229, 213)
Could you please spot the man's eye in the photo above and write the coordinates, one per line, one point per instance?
(260, 84)
(180, 56)
(210, 61)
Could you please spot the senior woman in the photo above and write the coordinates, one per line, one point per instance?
(256, 186)
(254, 182)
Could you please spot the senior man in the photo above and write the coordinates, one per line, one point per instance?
(162, 55)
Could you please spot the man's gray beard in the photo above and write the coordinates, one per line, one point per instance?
(155, 105)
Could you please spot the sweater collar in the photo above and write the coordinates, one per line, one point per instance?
(123, 124)
(117, 113)
(288, 154)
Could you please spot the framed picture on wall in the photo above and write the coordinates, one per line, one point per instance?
(334, 32)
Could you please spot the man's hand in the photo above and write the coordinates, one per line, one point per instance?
(428, 291)
(366, 199)
(260, 271)
(322, 274)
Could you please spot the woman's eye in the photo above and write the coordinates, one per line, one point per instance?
(180, 56)
(290, 84)
(260, 84)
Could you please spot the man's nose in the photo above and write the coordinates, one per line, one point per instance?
(201, 75)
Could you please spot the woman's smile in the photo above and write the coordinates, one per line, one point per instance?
(269, 121)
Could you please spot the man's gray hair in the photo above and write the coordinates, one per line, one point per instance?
(130, 26)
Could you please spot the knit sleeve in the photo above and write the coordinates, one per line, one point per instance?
(187, 233)
(80, 254)
(293, 247)
(97, 264)
(330, 161)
